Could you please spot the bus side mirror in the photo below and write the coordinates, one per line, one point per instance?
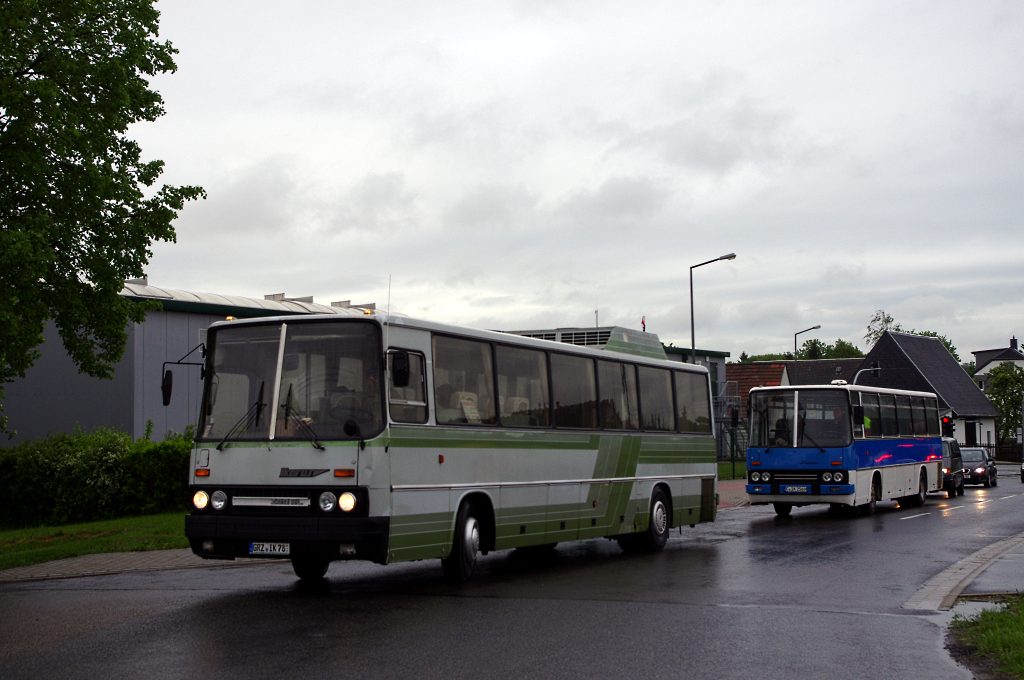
(166, 386)
(400, 369)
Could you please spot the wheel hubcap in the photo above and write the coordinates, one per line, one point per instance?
(659, 518)
(472, 539)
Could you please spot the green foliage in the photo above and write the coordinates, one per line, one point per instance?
(89, 476)
(79, 209)
(811, 349)
(879, 324)
(1005, 390)
(994, 637)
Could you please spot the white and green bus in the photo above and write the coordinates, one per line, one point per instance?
(362, 435)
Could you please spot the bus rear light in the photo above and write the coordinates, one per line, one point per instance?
(202, 472)
(344, 472)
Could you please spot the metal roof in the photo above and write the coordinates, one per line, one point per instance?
(215, 303)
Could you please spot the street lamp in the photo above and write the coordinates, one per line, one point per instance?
(812, 328)
(693, 344)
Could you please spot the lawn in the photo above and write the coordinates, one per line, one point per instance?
(992, 643)
(20, 547)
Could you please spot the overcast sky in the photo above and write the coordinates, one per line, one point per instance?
(521, 164)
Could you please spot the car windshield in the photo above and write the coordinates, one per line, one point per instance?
(972, 455)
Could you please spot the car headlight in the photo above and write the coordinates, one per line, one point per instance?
(979, 471)
(328, 501)
(347, 502)
(200, 500)
(219, 500)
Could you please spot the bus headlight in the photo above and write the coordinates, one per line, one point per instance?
(200, 500)
(755, 476)
(328, 501)
(219, 500)
(347, 502)
(837, 477)
(765, 477)
(827, 477)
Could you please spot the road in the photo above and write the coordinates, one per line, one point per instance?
(751, 595)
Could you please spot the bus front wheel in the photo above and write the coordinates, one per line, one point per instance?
(459, 564)
(783, 509)
(309, 568)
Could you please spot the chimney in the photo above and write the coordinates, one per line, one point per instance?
(1013, 343)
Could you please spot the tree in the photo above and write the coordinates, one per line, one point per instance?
(78, 208)
(1006, 392)
(879, 324)
(844, 350)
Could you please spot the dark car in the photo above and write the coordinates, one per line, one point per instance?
(979, 468)
(952, 468)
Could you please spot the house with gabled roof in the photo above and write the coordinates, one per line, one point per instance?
(986, 360)
(918, 362)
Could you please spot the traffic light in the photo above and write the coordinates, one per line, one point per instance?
(948, 426)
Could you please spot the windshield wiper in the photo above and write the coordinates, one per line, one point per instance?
(293, 415)
(809, 438)
(254, 413)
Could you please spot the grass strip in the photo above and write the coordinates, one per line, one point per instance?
(994, 639)
(21, 547)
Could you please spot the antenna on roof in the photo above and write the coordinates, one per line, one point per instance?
(387, 315)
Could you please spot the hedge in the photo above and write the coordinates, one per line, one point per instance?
(88, 476)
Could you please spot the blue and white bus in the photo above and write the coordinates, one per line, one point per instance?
(844, 445)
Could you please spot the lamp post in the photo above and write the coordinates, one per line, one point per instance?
(812, 328)
(693, 343)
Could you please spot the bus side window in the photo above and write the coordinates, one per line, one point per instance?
(872, 415)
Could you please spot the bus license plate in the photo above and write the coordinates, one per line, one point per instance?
(269, 548)
(794, 488)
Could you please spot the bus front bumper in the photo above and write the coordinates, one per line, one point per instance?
(800, 494)
(230, 536)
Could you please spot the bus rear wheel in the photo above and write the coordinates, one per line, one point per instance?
(656, 536)
(461, 561)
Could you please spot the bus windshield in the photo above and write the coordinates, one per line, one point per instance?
(323, 383)
(801, 418)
